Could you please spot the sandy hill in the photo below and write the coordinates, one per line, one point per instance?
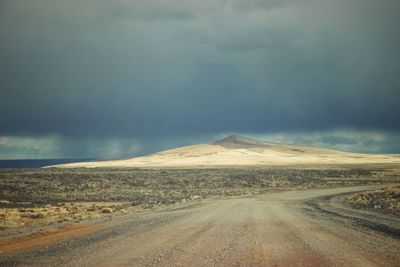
(241, 151)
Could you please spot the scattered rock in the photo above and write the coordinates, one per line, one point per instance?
(106, 210)
(37, 216)
(384, 200)
(195, 197)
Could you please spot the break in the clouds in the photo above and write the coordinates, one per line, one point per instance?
(99, 72)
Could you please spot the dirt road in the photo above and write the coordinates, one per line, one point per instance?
(280, 229)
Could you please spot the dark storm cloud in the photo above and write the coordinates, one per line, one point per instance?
(148, 70)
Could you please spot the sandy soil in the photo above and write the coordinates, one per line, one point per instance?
(44, 238)
(15, 217)
(277, 229)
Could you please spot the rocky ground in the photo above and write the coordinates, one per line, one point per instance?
(274, 229)
(30, 197)
(59, 213)
(385, 200)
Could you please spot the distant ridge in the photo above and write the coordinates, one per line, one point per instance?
(237, 141)
(236, 150)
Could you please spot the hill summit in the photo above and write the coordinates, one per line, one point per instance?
(237, 141)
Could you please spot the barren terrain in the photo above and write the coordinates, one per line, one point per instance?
(276, 229)
(34, 197)
(385, 200)
(319, 214)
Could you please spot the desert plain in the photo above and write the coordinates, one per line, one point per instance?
(206, 205)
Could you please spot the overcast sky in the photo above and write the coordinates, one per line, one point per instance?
(108, 79)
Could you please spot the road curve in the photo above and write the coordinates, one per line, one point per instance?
(277, 229)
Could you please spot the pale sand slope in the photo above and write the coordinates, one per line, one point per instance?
(241, 151)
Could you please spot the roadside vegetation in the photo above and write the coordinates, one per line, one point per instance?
(40, 196)
(385, 200)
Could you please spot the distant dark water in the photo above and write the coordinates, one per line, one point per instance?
(35, 163)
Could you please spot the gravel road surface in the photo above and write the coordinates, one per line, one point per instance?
(295, 228)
